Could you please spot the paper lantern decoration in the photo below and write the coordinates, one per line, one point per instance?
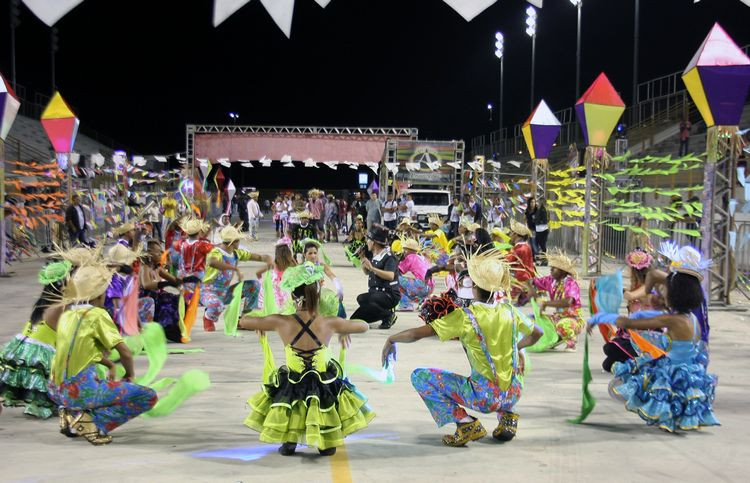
(598, 111)
(718, 78)
(540, 131)
(9, 105)
(60, 124)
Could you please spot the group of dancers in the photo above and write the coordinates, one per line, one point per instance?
(91, 300)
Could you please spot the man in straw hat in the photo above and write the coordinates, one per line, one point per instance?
(521, 259)
(564, 296)
(222, 264)
(492, 336)
(379, 303)
(253, 214)
(306, 229)
(126, 234)
(91, 407)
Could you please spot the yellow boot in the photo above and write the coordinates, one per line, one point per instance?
(465, 432)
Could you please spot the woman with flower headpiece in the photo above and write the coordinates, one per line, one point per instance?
(313, 252)
(564, 296)
(620, 348)
(89, 406)
(673, 391)
(416, 288)
(25, 360)
(492, 335)
(222, 263)
(308, 400)
(271, 299)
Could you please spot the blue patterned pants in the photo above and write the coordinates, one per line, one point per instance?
(447, 394)
(111, 403)
(413, 291)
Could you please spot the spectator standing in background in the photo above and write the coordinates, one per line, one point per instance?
(530, 210)
(75, 221)
(253, 214)
(374, 214)
(541, 227)
(684, 136)
(390, 212)
(454, 217)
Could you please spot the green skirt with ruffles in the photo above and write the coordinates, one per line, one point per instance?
(24, 372)
(314, 408)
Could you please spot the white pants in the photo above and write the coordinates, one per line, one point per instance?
(254, 223)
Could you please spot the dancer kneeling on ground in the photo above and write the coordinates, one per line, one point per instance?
(489, 333)
(308, 400)
(89, 406)
(564, 296)
(379, 303)
(416, 288)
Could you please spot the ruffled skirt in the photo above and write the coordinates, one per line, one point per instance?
(668, 394)
(24, 371)
(315, 408)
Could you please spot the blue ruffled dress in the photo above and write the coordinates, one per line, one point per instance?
(672, 392)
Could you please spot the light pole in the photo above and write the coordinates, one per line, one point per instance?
(234, 117)
(634, 99)
(578, 4)
(499, 47)
(489, 108)
(531, 32)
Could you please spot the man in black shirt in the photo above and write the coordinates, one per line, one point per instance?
(380, 301)
(304, 230)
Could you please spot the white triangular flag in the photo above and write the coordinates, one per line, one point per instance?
(202, 161)
(289, 165)
(161, 159)
(180, 157)
(223, 9)
(732, 206)
(281, 11)
(246, 165)
(323, 3)
(286, 159)
(392, 167)
(331, 164)
(475, 165)
(469, 9)
(454, 164)
(224, 162)
(373, 167)
(265, 162)
(50, 11)
(495, 164)
(74, 158)
(517, 164)
(353, 165)
(536, 3)
(433, 165)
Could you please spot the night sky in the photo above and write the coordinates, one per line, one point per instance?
(139, 70)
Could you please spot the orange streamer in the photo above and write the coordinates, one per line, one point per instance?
(191, 313)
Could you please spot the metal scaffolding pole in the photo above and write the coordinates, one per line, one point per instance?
(591, 251)
(717, 222)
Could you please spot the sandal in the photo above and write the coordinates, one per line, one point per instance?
(465, 432)
(507, 427)
(84, 426)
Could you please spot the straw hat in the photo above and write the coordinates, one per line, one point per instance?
(230, 234)
(411, 244)
(124, 228)
(434, 219)
(304, 215)
(405, 221)
(558, 259)
(192, 225)
(54, 272)
(500, 233)
(519, 228)
(313, 193)
(473, 226)
(77, 256)
(121, 255)
(88, 283)
(490, 271)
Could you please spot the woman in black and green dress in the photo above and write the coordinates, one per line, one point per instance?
(307, 400)
(25, 360)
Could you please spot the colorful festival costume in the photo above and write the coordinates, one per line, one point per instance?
(300, 233)
(84, 333)
(488, 334)
(24, 370)
(308, 400)
(521, 259)
(674, 391)
(413, 289)
(568, 321)
(271, 299)
(216, 284)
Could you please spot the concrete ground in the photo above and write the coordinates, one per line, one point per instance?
(206, 440)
